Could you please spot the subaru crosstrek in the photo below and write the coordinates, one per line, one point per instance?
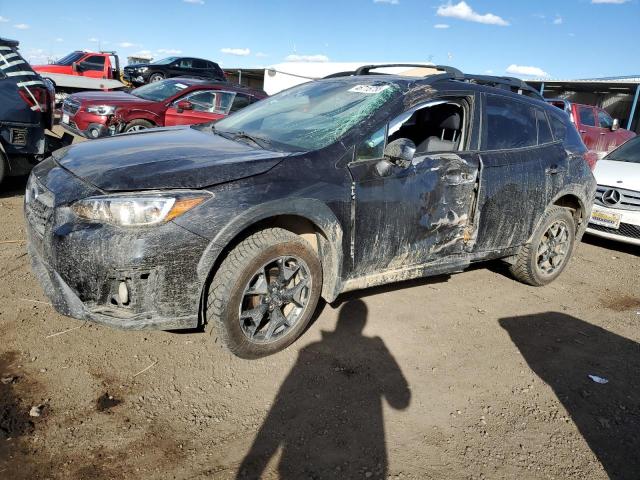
(333, 185)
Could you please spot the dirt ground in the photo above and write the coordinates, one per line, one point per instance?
(465, 377)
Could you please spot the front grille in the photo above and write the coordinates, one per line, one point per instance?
(629, 199)
(39, 205)
(70, 106)
(625, 230)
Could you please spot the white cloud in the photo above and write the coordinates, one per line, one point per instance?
(93, 40)
(261, 54)
(169, 51)
(612, 2)
(194, 2)
(127, 45)
(59, 39)
(238, 52)
(526, 71)
(463, 11)
(3, 19)
(390, 2)
(558, 20)
(22, 26)
(306, 58)
(441, 26)
(488, 72)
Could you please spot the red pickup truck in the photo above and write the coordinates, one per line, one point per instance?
(80, 71)
(599, 131)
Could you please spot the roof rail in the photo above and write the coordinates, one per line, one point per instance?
(454, 72)
(509, 83)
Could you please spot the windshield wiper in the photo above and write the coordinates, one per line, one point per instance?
(261, 142)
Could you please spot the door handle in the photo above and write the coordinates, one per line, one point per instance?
(583, 131)
(602, 133)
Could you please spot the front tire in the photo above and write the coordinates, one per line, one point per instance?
(4, 168)
(543, 259)
(138, 125)
(265, 293)
(156, 77)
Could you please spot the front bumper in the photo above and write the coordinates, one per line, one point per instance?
(629, 230)
(81, 266)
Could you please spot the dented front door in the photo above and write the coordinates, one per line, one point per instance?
(413, 215)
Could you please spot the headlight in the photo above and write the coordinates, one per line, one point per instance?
(102, 109)
(143, 69)
(137, 210)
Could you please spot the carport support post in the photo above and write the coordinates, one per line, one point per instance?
(633, 108)
(542, 89)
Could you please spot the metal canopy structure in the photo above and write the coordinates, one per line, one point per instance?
(618, 95)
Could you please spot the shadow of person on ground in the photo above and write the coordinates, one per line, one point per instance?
(563, 350)
(327, 418)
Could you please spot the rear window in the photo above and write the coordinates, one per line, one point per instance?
(12, 64)
(565, 131)
(544, 130)
(510, 124)
(587, 117)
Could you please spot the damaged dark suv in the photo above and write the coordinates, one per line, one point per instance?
(330, 186)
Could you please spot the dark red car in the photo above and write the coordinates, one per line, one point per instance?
(177, 101)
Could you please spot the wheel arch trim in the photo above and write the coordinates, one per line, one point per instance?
(312, 210)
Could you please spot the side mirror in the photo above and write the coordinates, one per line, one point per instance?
(615, 125)
(400, 152)
(184, 105)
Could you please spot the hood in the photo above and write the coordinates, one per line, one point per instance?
(613, 173)
(108, 98)
(135, 66)
(164, 158)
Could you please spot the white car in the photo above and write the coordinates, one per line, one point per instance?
(616, 211)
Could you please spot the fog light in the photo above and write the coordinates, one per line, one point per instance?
(123, 293)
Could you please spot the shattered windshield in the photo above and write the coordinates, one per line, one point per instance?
(628, 152)
(159, 91)
(311, 116)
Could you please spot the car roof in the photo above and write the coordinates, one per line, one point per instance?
(446, 77)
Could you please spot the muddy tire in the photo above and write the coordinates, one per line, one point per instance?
(156, 77)
(4, 168)
(265, 293)
(137, 125)
(543, 259)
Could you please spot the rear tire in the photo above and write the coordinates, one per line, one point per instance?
(156, 77)
(265, 293)
(4, 167)
(543, 259)
(137, 125)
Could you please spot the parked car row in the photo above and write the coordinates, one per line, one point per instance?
(178, 101)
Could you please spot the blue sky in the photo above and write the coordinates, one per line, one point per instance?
(555, 38)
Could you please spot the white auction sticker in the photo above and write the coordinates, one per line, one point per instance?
(369, 88)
